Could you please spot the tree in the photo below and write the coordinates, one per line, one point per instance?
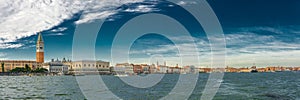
(40, 70)
(27, 68)
(18, 70)
(2, 65)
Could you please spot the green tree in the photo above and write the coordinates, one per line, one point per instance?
(2, 66)
(18, 70)
(40, 70)
(27, 68)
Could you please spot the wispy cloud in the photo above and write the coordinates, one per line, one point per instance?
(55, 34)
(61, 29)
(186, 2)
(141, 8)
(9, 46)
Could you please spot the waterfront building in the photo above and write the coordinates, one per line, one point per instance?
(270, 69)
(261, 69)
(11, 64)
(90, 67)
(244, 70)
(162, 69)
(56, 67)
(186, 69)
(205, 70)
(145, 68)
(124, 68)
(152, 69)
(67, 63)
(231, 69)
(189, 69)
(138, 69)
(102, 66)
(175, 70)
(296, 68)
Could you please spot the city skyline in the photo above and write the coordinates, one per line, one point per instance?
(266, 36)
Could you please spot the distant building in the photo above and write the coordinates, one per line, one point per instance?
(56, 67)
(244, 70)
(90, 67)
(124, 68)
(145, 68)
(67, 63)
(152, 69)
(102, 66)
(189, 69)
(176, 70)
(138, 69)
(231, 69)
(205, 70)
(261, 69)
(163, 69)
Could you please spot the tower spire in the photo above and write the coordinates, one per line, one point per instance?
(40, 38)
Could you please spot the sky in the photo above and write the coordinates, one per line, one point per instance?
(257, 32)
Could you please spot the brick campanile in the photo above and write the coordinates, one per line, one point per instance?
(40, 49)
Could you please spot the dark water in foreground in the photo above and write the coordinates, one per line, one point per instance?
(235, 86)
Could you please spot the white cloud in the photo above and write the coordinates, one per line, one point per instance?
(186, 2)
(59, 29)
(24, 18)
(263, 28)
(141, 8)
(9, 46)
(55, 34)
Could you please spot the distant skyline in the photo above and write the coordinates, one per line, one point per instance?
(260, 32)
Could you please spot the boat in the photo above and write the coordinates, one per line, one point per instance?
(121, 75)
(254, 71)
(78, 74)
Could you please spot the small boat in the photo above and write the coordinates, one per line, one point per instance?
(121, 75)
(254, 71)
(78, 74)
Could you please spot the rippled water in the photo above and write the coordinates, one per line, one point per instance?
(39, 87)
(262, 86)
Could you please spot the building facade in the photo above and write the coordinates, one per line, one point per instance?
(90, 67)
(124, 68)
(56, 67)
(11, 64)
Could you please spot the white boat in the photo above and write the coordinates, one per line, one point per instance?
(121, 75)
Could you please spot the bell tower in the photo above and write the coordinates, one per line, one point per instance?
(40, 49)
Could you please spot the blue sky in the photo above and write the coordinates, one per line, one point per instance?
(264, 32)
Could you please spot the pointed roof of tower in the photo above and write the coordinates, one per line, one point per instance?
(40, 37)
